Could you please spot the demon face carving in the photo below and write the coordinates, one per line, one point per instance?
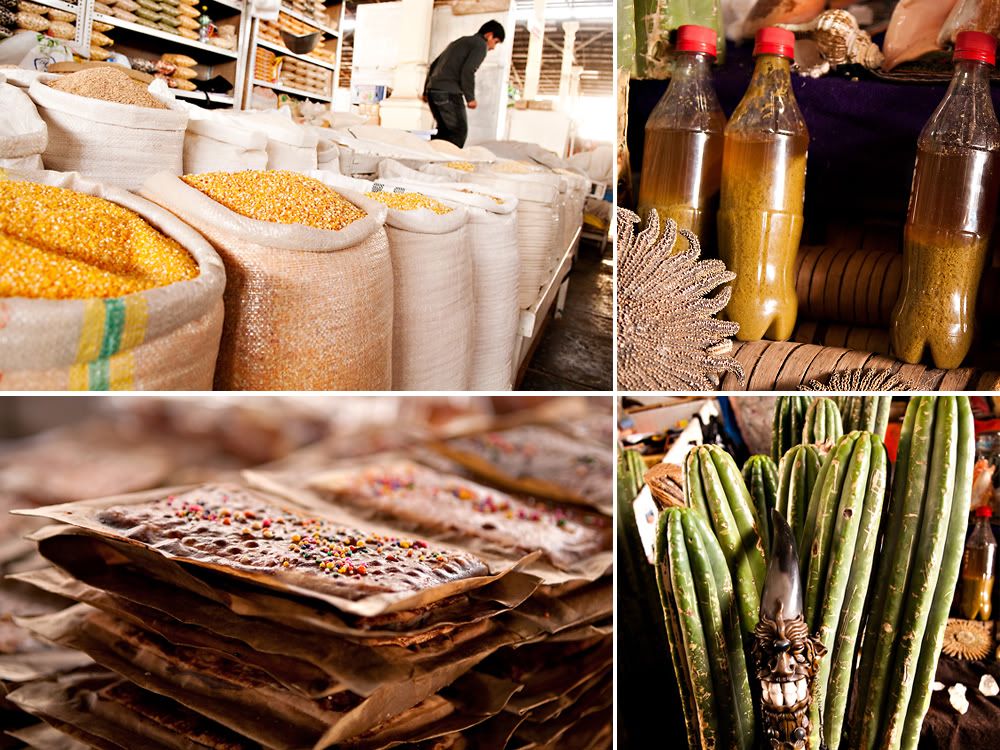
(787, 658)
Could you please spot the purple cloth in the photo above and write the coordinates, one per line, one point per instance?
(863, 135)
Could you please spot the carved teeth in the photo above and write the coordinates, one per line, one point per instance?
(774, 691)
(789, 693)
(802, 689)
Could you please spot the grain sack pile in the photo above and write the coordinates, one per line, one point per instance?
(102, 290)
(432, 286)
(309, 302)
(108, 127)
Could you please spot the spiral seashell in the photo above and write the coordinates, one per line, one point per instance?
(841, 40)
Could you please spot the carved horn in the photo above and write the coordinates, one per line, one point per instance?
(783, 584)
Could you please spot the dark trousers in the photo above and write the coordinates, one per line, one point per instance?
(449, 113)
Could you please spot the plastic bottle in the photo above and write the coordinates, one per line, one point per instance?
(763, 191)
(952, 206)
(682, 156)
(978, 561)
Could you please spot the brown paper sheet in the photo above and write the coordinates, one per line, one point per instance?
(86, 515)
(44, 737)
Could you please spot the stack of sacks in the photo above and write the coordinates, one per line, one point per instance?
(433, 320)
(390, 169)
(107, 126)
(23, 134)
(492, 239)
(8, 18)
(576, 198)
(538, 195)
(289, 145)
(308, 278)
(178, 71)
(364, 146)
(103, 290)
(327, 151)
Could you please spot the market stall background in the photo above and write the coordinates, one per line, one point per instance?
(493, 659)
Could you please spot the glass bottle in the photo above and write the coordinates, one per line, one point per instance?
(978, 560)
(204, 25)
(763, 191)
(682, 155)
(953, 202)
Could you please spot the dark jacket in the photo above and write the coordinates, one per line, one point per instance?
(454, 70)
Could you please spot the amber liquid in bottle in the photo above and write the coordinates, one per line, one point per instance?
(761, 211)
(953, 202)
(975, 598)
(682, 154)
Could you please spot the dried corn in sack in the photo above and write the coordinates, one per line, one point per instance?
(432, 288)
(23, 134)
(212, 144)
(390, 169)
(492, 242)
(112, 143)
(537, 227)
(164, 338)
(308, 279)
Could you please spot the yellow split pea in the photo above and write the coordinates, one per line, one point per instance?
(60, 244)
(279, 197)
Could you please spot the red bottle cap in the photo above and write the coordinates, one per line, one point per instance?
(774, 41)
(984, 511)
(691, 38)
(976, 45)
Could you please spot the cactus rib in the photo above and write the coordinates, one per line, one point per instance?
(761, 478)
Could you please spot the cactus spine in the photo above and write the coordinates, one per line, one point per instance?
(823, 422)
(761, 478)
(697, 592)
(918, 568)
(796, 478)
(789, 419)
(840, 538)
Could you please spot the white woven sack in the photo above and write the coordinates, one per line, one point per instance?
(306, 308)
(432, 297)
(327, 151)
(492, 239)
(23, 134)
(537, 224)
(163, 339)
(115, 144)
(213, 146)
(390, 169)
(290, 146)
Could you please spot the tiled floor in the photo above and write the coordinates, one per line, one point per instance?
(575, 351)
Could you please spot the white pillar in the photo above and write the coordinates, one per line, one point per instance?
(413, 43)
(533, 68)
(566, 73)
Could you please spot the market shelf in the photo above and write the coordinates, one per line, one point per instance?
(305, 58)
(293, 92)
(157, 34)
(315, 24)
(58, 5)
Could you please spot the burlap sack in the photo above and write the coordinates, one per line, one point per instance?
(211, 145)
(432, 294)
(492, 241)
(306, 308)
(115, 144)
(163, 339)
(23, 134)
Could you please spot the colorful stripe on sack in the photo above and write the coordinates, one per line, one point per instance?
(111, 329)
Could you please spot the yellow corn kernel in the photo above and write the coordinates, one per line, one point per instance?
(493, 198)
(514, 167)
(410, 202)
(278, 197)
(464, 166)
(59, 244)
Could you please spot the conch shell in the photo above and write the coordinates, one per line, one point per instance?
(841, 40)
(913, 30)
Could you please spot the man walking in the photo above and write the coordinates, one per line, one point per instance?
(452, 76)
